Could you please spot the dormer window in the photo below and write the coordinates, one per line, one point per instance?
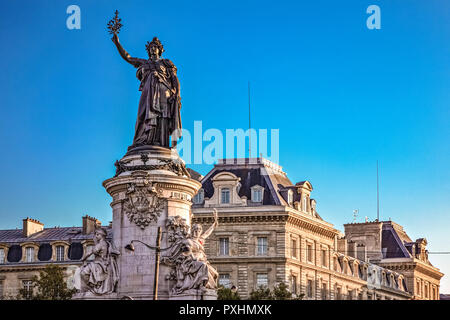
(59, 253)
(199, 197)
(290, 197)
(29, 254)
(305, 203)
(226, 191)
(225, 195)
(2, 255)
(257, 193)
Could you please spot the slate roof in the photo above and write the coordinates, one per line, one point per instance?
(68, 234)
(251, 174)
(255, 171)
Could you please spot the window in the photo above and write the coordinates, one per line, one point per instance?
(338, 293)
(309, 288)
(262, 246)
(225, 195)
(199, 197)
(256, 195)
(324, 291)
(294, 284)
(28, 287)
(59, 253)
(224, 247)
(2, 255)
(224, 280)
(335, 264)
(294, 248)
(350, 295)
(262, 280)
(309, 252)
(29, 254)
(305, 203)
(324, 257)
(290, 197)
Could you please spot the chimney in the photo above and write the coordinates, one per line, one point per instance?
(31, 226)
(89, 224)
(351, 249)
(361, 252)
(342, 246)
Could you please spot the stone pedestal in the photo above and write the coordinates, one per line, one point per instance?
(151, 184)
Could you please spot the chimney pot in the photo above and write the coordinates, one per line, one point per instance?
(31, 226)
(89, 224)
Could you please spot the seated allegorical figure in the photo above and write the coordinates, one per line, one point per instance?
(100, 275)
(187, 256)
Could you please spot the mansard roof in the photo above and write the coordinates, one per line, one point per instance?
(397, 244)
(69, 234)
(260, 172)
(254, 171)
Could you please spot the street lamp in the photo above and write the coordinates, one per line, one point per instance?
(130, 247)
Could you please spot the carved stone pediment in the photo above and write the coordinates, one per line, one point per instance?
(143, 204)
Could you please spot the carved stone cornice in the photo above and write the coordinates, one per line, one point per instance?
(23, 266)
(311, 226)
(267, 218)
(166, 182)
(176, 167)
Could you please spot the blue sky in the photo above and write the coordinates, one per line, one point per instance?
(342, 96)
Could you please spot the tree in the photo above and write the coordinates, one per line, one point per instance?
(262, 293)
(50, 285)
(227, 294)
(281, 292)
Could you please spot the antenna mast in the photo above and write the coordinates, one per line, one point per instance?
(249, 125)
(378, 197)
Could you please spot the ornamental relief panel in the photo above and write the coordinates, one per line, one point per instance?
(143, 204)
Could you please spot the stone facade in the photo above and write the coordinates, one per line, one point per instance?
(270, 232)
(391, 247)
(23, 253)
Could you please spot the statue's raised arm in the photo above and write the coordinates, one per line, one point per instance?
(136, 62)
(114, 26)
(210, 230)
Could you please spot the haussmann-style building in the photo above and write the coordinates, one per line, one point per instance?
(270, 232)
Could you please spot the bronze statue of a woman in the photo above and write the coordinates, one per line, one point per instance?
(158, 116)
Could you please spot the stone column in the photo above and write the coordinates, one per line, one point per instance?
(149, 187)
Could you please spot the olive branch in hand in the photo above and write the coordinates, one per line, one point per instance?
(114, 24)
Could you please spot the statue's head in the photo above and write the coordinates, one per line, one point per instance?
(155, 47)
(99, 234)
(196, 230)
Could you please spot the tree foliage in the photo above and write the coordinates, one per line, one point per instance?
(50, 285)
(227, 294)
(279, 292)
(262, 293)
